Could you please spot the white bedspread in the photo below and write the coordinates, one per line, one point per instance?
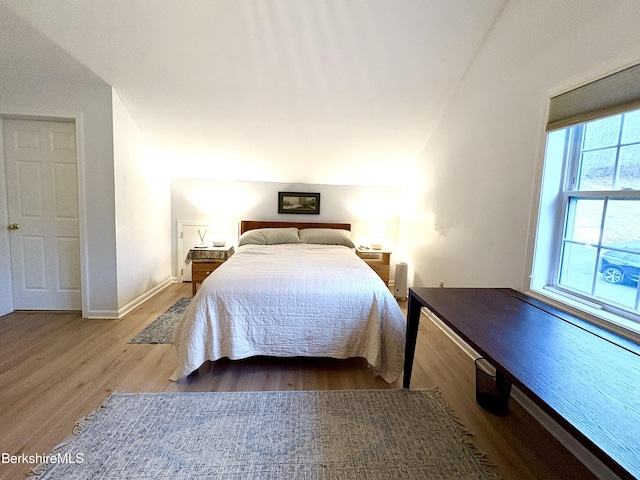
(292, 300)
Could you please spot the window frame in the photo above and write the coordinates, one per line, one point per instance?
(620, 320)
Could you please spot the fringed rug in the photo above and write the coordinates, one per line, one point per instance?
(162, 328)
(351, 434)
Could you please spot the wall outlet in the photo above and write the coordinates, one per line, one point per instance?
(441, 283)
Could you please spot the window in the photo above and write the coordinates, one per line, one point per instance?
(599, 254)
(588, 237)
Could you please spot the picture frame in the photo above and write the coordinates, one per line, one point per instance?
(299, 203)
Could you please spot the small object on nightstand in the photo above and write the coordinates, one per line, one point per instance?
(378, 260)
(204, 261)
(202, 235)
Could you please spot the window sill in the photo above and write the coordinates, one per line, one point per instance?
(606, 320)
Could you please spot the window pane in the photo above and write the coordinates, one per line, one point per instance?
(618, 279)
(597, 170)
(631, 130)
(578, 267)
(584, 221)
(622, 225)
(617, 282)
(629, 176)
(602, 133)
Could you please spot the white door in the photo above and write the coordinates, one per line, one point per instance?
(188, 237)
(42, 191)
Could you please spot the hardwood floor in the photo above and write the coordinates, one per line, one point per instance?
(57, 367)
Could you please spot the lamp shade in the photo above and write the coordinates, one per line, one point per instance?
(219, 228)
(377, 235)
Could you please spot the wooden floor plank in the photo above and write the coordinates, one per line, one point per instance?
(55, 368)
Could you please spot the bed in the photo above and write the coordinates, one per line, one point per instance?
(293, 289)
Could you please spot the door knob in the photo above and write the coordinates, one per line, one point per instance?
(13, 226)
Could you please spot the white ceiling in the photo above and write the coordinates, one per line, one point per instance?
(307, 91)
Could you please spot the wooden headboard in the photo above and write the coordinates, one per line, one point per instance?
(246, 225)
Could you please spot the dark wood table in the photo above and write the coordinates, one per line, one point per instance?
(584, 377)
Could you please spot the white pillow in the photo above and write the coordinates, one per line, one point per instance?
(326, 236)
(269, 236)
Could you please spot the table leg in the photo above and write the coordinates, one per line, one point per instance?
(413, 320)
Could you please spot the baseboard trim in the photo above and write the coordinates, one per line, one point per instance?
(121, 312)
(101, 315)
(589, 460)
(145, 296)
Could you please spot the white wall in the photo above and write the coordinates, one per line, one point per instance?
(90, 106)
(198, 200)
(143, 211)
(472, 194)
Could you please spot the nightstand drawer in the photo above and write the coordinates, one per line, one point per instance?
(204, 261)
(381, 269)
(201, 270)
(378, 260)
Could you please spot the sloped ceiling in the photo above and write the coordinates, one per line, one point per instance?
(307, 91)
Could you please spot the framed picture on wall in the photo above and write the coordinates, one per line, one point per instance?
(297, 202)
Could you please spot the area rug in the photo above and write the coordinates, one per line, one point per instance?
(162, 328)
(311, 435)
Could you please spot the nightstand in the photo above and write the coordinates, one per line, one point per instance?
(378, 260)
(204, 261)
